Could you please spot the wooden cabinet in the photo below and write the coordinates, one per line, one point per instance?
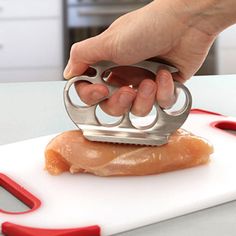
(31, 40)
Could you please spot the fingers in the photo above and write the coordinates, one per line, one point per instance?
(180, 77)
(120, 102)
(85, 53)
(122, 99)
(145, 98)
(165, 89)
(140, 102)
(91, 94)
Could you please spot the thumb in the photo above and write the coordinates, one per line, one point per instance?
(85, 53)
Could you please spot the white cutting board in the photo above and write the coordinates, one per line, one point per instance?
(118, 204)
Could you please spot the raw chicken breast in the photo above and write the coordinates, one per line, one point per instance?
(70, 151)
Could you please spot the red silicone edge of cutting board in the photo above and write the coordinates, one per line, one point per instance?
(201, 111)
(34, 203)
(20, 193)
(11, 229)
(222, 125)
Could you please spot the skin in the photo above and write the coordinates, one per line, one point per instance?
(180, 32)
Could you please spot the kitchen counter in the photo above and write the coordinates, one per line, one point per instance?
(35, 109)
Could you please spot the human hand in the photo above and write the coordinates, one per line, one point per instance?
(137, 88)
(167, 29)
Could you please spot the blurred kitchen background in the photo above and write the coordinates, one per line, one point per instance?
(36, 35)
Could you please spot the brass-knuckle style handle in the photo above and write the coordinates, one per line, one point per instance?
(124, 131)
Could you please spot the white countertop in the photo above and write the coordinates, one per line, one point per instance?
(35, 109)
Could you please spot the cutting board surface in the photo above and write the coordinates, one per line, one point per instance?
(118, 204)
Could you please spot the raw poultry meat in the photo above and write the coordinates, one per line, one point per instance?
(70, 151)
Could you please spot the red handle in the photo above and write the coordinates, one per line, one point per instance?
(11, 229)
(20, 193)
(224, 125)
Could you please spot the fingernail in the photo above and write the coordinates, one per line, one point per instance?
(125, 99)
(162, 80)
(147, 89)
(67, 71)
(97, 96)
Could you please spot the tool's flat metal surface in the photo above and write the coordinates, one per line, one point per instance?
(124, 131)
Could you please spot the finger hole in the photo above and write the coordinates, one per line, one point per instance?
(145, 98)
(165, 89)
(91, 72)
(179, 105)
(74, 96)
(144, 122)
(89, 93)
(126, 76)
(105, 119)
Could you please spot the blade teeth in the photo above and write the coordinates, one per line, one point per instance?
(133, 144)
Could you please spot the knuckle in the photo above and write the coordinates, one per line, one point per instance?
(112, 46)
(73, 50)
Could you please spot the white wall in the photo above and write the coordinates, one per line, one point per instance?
(226, 51)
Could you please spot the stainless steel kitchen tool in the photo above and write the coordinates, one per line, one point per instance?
(124, 131)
